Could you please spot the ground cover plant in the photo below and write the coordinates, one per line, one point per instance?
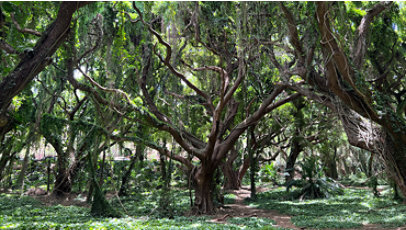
(355, 208)
(28, 213)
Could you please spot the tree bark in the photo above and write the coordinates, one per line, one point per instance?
(232, 181)
(203, 182)
(291, 161)
(393, 155)
(296, 144)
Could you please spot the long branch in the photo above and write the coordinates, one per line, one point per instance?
(34, 62)
(166, 124)
(24, 30)
(253, 119)
(337, 64)
(293, 33)
(362, 32)
(167, 59)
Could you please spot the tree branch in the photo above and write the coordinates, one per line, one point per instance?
(362, 32)
(293, 34)
(167, 59)
(24, 30)
(8, 48)
(338, 68)
(167, 124)
(34, 62)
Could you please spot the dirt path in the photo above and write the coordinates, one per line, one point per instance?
(239, 209)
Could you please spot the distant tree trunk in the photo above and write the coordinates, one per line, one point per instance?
(232, 181)
(296, 145)
(253, 161)
(6, 157)
(296, 149)
(331, 163)
(370, 165)
(9, 172)
(243, 169)
(126, 177)
(347, 170)
(100, 206)
(62, 185)
(393, 155)
(231, 177)
(101, 179)
(21, 176)
(48, 173)
(162, 161)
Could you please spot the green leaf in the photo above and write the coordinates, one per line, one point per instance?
(8, 7)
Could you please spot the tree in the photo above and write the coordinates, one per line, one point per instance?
(355, 72)
(221, 111)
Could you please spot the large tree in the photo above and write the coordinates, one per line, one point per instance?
(352, 63)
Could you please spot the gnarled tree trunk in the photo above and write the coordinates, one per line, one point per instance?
(394, 157)
(203, 184)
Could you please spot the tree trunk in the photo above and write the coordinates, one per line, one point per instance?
(296, 148)
(100, 206)
(62, 183)
(126, 177)
(243, 169)
(21, 176)
(9, 172)
(101, 179)
(162, 162)
(393, 155)
(232, 181)
(65, 177)
(5, 158)
(253, 162)
(331, 169)
(291, 161)
(203, 182)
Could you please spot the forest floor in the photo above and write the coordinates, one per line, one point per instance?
(240, 209)
(356, 209)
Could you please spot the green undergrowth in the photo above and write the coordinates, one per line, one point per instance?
(229, 198)
(351, 210)
(27, 213)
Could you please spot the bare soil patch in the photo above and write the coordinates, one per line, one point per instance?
(239, 209)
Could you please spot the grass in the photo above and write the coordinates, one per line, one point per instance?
(27, 213)
(351, 210)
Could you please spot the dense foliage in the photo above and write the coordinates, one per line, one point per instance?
(157, 100)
